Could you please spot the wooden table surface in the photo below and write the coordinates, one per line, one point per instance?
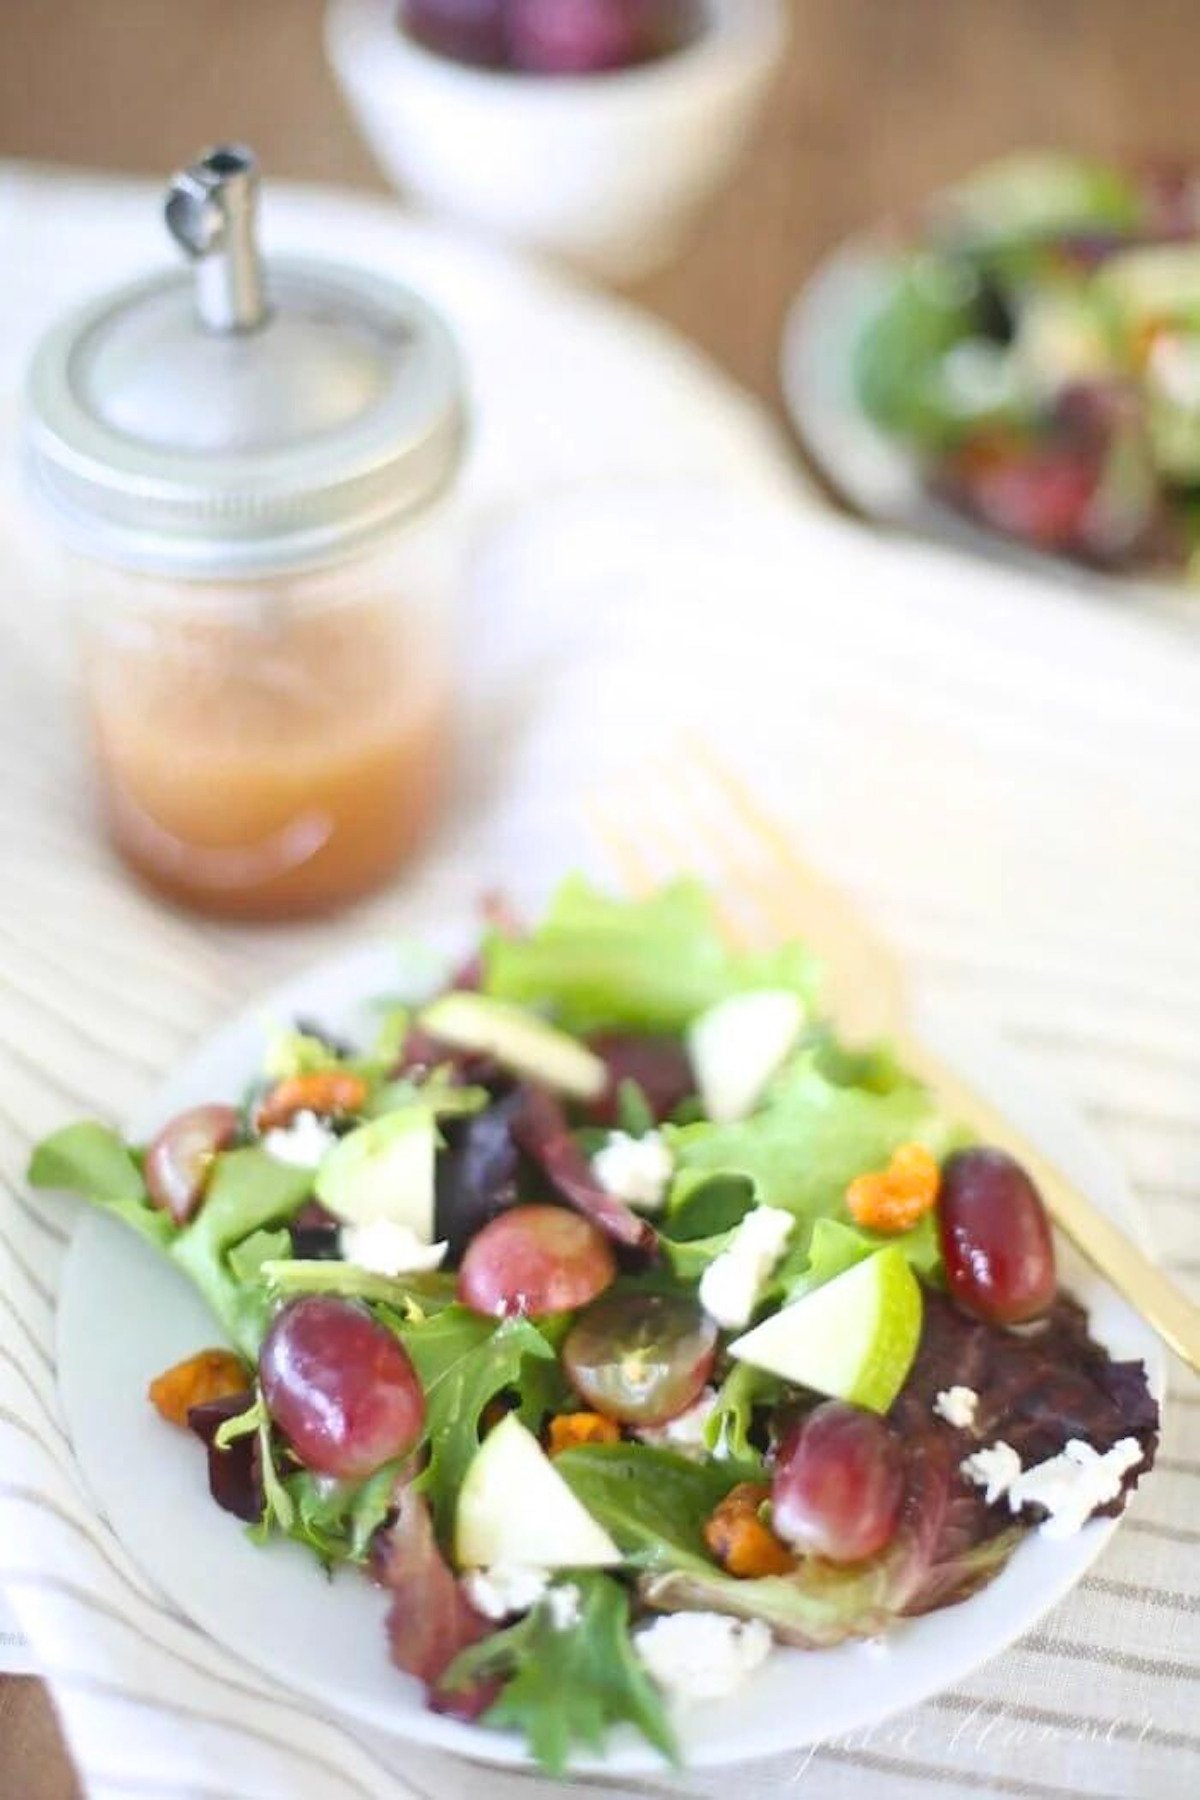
(880, 100)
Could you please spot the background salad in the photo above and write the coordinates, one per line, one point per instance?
(619, 1322)
(1038, 347)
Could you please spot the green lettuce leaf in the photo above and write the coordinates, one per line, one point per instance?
(91, 1161)
(412, 1296)
(640, 965)
(727, 1428)
(815, 1132)
(566, 1687)
(248, 1192)
(463, 1361)
(652, 1502)
(835, 1247)
(248, 1259)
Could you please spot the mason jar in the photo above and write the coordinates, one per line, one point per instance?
(251, 475)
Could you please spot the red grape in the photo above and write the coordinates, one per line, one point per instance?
(586, 37)
(995, 1236)
(179, 1159)
(340, 1387)
(838, 1484)
(468, 31)
(640, 1358)
(535, 1259)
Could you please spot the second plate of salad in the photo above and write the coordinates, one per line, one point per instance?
(1017, 368)
(656, 1380)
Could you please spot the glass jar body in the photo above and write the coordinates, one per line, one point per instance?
(275, 747)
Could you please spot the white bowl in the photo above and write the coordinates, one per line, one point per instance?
(605, 171)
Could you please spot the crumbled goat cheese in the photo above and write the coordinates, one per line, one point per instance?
(730, 1286)
(994, 1468)
(957, 1405)
(386, 1248)
(1070, 1485)
(303, 1143)
(562, 1603)
(701, 1655)
(504, 1589)
(635, 1170)
(1073, 1484)
(685, 1432)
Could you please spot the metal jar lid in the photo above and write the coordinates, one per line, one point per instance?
(242, 422)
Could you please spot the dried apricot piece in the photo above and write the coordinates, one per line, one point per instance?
(569, 1429)
(209, 1375)
(894, 1199)
(738, 1538)
(326, 1092)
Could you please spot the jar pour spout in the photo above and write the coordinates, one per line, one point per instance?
(211, 210)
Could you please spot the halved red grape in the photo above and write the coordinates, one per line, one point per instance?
(838, 1483)
(340, 1387)
(179, 1160)
(534, 1260)
(995, 1238)
(640, 1358)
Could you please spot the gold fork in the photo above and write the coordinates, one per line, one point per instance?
(695, 803)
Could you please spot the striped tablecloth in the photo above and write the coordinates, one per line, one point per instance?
(1007, 777)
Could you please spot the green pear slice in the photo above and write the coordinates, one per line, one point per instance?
(854, 1338)
(520, 1040)
(514, 1507)
(739, 1045)
(384, 1170)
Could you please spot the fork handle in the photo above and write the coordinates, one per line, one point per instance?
(1160, 1301)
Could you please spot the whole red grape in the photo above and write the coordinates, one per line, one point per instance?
(340, 1387)
(535, 1260)
(838, 1483)
(468, 31)
(587, 37)
(995, 1238)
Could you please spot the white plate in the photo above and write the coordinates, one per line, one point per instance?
(124, 1315)
(872, 470)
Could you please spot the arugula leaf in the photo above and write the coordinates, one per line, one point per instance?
(90, 1160)
(567, 1686)
(816, 1131)
(652, 1502)
(463, 1361)
(278, 1506)
(649, 965)
(337, 1520)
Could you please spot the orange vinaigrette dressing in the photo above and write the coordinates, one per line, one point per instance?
(274, 769)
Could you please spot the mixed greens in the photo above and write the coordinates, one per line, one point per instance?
(1038, 347)
(618, 1322)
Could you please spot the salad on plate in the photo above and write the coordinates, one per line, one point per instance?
(619, 1323)
(1035, 345)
